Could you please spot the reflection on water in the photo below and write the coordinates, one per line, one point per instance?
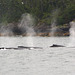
(46, 61)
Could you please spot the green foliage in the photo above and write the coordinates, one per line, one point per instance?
(11, 10)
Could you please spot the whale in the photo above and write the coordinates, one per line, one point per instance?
(19, 48)
(6, 48)
(22, 47)
(55, 45)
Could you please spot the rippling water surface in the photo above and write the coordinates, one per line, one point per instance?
(46, 61)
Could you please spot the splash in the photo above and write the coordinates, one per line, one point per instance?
(72, 35)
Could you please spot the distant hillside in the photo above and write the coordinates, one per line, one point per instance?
(44, 11)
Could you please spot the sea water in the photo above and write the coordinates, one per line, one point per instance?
(46, 61)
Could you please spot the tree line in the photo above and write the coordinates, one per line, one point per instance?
(44, 11)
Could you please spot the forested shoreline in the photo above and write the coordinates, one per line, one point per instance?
(45, 12)
(42, 10)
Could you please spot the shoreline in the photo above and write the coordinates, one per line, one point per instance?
(56, 34)
(12, 29)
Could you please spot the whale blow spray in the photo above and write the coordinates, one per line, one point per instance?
(72, 34)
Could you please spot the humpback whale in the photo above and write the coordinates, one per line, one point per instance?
(19, 48)
(5, 48)
(55, 45)
(29, 47)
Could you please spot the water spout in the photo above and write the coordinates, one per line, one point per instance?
(26, 24)
(53, 28)
(54, 22)
(72, 35)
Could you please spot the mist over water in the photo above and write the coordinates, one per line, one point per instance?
(54, 22)
(6, 29)
(27, 23)
(25, 26)
(53, 28)
(53, 25)
(72, 34)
